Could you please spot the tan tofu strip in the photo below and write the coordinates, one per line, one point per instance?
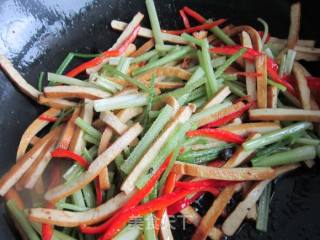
(283, 114)
(165, 227)
(183, 114)
(75, 92)
(74, 219)
(303, 88)
(148, 45)
(17, 79)
(272, 99)
(12, 176)
(251, 82)
(96, 166)
(261, 68)
(246, 128)
(229, 174)
(147, 33)
(219, 97)
(193, 217)
(234, 220)
(56, 102)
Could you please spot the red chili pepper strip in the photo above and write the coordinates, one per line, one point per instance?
(110, 53)
(313, 82)
(205, 26)
(98, 192)
(46, 232)
(228, 118)
(182, 204)
(132, 202)
(62, 153)
(168, 188)
(217, 134)
(250, 54)
(149, 207)
(207, 183)
(184, 19)
(47, 118)
(194, 14)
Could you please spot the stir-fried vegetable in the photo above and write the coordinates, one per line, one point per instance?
(152, 130)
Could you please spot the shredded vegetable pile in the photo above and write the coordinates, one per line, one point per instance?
(135, 136)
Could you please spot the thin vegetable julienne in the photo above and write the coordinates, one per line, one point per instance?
(40, 81)
(276, 135)
(263, 209)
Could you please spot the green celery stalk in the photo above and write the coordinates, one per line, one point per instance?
(173, 142)
(276, 135)
(129, 79)
(263, 209)
(145, 57)
(200, 102)
(56, 78)
(219, 33)
(155, 25)
(308, 141)
(87, 128)
(88, 138)
(172, 56)
(21, 219)
(191, 39)
(145, 120)
(235, 89)
(156, 127)
(40, 81)
(292, 156)
(206, 61)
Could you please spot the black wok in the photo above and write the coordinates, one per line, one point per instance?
(37, 35)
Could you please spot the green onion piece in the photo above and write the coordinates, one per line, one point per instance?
(265, 31)
(130, 232)
(172, 56)
(65, 63)
(57, 235)
(219, 33)
(86, 55)
(206, 61)
(88, 138)
(263, 209)
(292, 156)
(56, 78)
(40, 81)
(277, 85)
(308, 141)
(276, 135)
(131, 80)
(235, 89)
(72, 207)
(229, 61)
(191, 39)
(156, 127)
(155, 25)
(211, 110)
(120, 102)
(21, 219)
(171, 144)
(145, 57)
(87, 128)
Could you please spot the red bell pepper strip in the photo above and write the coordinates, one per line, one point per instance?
(217, 134)
(132, 202)
(46, 232)
(182, 204)
(184, 19)
(149, 207)
(207, 183)
(62, 153)
(205, 26)
(194, 14)
(250, 54)
(110, 53)
(98, 192)
(168, 188)
(47, 118)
